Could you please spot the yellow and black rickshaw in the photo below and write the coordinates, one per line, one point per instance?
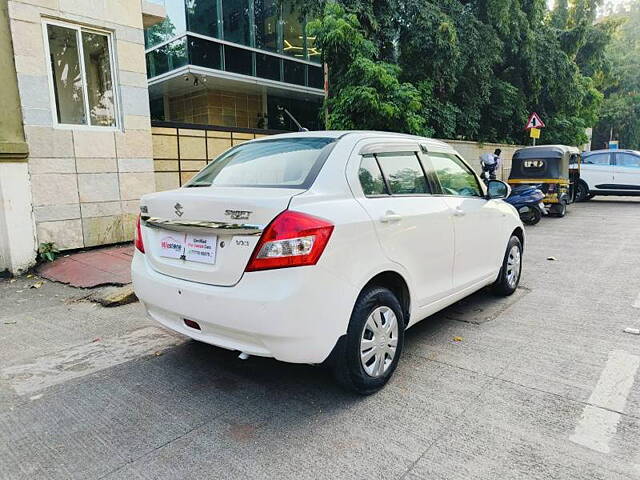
(555, 169)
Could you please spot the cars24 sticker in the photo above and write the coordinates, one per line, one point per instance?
(172, 246)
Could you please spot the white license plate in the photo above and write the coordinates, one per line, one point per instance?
(189, 247)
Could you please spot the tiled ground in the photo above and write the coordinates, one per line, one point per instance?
(106, 266)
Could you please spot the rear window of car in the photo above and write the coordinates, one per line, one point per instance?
(278, 163)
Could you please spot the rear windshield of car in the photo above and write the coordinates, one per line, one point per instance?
(279, 163)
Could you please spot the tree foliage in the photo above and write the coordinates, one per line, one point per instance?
(472, 69)
(620, 112)
(365, 93)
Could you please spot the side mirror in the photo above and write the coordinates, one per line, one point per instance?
(497, 189)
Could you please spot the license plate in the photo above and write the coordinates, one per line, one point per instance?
(189, 247)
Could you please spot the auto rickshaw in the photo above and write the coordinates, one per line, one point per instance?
(555, 169)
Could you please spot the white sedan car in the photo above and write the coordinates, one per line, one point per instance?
(324, 247)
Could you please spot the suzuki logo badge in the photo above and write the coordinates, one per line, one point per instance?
(178, 209)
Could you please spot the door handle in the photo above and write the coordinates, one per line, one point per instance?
(459, 212)
(390, 217)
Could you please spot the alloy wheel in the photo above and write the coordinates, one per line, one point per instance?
(513, 266)
(379, 341)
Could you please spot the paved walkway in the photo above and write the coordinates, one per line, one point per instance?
(105, 266)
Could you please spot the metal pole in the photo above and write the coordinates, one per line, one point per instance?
(325, 71)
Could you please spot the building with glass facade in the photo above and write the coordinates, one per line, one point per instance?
(233, 63)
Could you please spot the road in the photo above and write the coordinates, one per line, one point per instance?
(543, 385)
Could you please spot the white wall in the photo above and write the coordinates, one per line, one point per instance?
(17, 239)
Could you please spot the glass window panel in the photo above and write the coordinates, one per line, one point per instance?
(267, 15)
(203, 16)
(294, 72)
(238, 60)
(67, 76)
(454, 176)
(404, 173)
(316, 77)
(293, 42)
(168, 57)
(97, 62)
(628, 160)
(267, 66)
(371, 177)
(174, 24)
(597, 159)
(236, 21)
(204, 53)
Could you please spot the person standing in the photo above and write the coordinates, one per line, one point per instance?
(490, 162)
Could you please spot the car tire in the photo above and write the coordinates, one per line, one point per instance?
(509, 276)
(350, 368)
(582, 192)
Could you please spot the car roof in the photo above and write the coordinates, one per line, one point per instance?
(363, 135)
(609, 150)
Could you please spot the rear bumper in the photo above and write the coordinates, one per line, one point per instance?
(293, 314)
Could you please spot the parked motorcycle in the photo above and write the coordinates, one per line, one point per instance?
(527, 199)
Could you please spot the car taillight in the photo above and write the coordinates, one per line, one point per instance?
(138, 237)
(292, 239)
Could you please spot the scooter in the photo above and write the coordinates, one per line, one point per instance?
(527, 199)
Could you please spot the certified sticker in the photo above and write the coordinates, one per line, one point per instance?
(201, 248)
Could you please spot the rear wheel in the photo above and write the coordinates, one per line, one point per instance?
(365, 360)
(509, 277)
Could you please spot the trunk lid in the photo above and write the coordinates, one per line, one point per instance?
(208, 234)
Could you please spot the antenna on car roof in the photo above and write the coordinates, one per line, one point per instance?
(300, 127)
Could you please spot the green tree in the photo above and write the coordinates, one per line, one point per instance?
(620, 112)
(363, 93)
(472, 69)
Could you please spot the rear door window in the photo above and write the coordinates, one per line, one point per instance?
(404, 173)
(279, 163)
(627, 160)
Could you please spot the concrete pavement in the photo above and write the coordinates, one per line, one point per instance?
(544, 385)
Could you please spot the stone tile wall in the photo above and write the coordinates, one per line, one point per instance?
(85, 183)
(180, 153)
